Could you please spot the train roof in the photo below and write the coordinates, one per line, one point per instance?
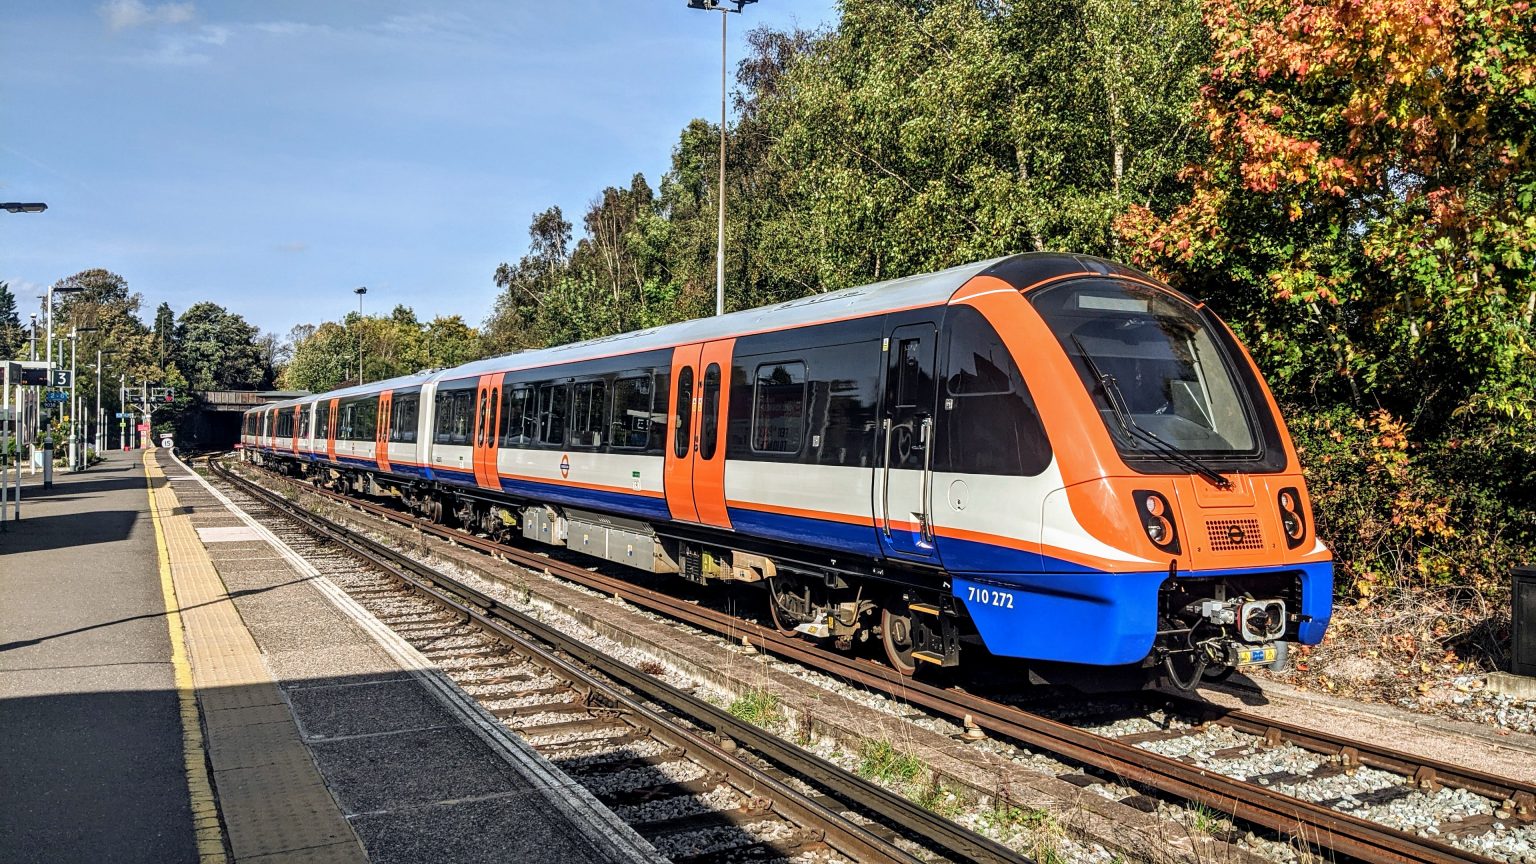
(904, 293)
(926, 289)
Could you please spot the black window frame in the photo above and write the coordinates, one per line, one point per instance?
(618, 429)
(682, 413)
(709, 415)
(590, 418)
(403, 429)
(559, 395)
(757, 405)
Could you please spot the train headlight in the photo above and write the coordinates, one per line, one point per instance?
(1262, 620)
(1157, 520)
(1292, 521)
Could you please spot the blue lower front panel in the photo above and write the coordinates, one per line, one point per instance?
(1102, 619)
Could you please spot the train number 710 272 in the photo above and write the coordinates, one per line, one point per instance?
(988, 597)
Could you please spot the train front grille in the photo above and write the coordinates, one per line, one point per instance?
(1234, 535)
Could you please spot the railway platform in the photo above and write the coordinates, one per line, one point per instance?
(177, 685)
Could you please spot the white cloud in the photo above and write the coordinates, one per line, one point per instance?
(185, 49)
(125, 14)
(296, 246)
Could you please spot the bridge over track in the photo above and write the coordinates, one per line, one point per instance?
(216, 424)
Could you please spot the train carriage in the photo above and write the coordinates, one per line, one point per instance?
(1053, 456)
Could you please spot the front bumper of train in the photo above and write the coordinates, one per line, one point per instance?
(1105, 619)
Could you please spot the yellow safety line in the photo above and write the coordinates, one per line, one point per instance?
(205, 807)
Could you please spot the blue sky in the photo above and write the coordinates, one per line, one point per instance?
(272, 156)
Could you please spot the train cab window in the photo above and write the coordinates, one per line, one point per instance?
(990, 424)
(589, 404)
(403, 411)
(554, 402)
(778, 408)
(682, 417)
(632, 421)
(518, 419)
(709, 420)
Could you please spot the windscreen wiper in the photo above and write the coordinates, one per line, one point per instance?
(1174, 454)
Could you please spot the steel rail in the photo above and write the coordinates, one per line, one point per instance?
(1313, 823)
(488, 612)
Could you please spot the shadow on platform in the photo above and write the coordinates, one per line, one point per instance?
(23, 643)
(66, 530)
(63, 489)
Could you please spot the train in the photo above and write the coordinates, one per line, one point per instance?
(1048, 457)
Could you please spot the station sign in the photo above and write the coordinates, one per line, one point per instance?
(55, 396)
(59, 378)
(125, 415)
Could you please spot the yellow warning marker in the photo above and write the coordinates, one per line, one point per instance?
(205, 807)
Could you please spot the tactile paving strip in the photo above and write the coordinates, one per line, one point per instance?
(271, 797)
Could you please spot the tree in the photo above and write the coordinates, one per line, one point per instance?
(165, 334)
(1371, 191)
(217, 350)
(12, 336)
(104, 304)
(513, 320)
(322, 359)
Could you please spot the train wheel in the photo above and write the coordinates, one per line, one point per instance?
(896, 636)
(776, 586)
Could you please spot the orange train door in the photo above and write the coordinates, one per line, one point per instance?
(487, 411)
(298, 424)
(331, 420)
(677, 473)
(381, 429)
(709, 450)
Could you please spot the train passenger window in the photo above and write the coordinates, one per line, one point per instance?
(367, 415)
(682, 417)
(630, 428)
(778, 408)
(554, 400)
(402, 427)
(709, 421)
(518, 417)
(323, 422)
(588, 405)
(452, 423)
(990, 425)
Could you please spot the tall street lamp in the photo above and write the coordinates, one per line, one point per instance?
(721, 6)
(101, 428)
(52, 290)
(359, 292)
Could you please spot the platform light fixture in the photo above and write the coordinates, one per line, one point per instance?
(360, 292)
(721, 6)
(23, 206)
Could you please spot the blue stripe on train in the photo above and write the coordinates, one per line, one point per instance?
(620, 503)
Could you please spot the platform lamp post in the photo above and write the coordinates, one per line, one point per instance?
(721, 6)
(26, 207)
(101, 428)
(360, 292)
(76, 428)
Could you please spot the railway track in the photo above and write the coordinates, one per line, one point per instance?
(1257, 770)
(733, 794)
